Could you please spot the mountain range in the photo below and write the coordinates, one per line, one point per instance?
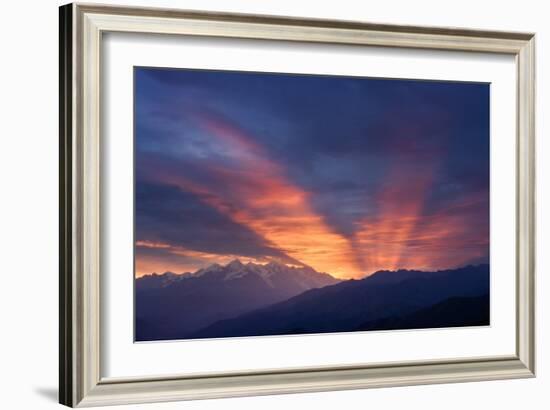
(255, 300)
(173, 306)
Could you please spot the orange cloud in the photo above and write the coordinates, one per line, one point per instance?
(151, 244)
(258, 194)
(451, 237)
(382, 239)
(400, 236)
(253, 190)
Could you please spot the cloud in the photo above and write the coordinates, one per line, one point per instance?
(171, 217)
(253, 191)
(345, 174)
(161, 257)
(405, 233)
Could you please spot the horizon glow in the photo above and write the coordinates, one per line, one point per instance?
(346, 175)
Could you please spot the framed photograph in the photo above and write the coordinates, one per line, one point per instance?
(258, 205)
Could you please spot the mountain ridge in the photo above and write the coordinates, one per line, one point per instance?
(349, 304)
(170, 306)
(252, 299)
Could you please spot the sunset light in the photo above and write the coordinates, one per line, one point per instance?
(394, 206)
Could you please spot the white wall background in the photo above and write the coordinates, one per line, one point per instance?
(28, 217)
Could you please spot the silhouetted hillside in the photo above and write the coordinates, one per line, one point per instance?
(385, 299)
(452, 312)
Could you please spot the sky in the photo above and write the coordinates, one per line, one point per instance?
(348, 175)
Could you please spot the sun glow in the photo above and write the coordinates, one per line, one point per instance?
(344, 175)
(257, 194)
(253, 190)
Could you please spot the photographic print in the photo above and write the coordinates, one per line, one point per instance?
(282, 204)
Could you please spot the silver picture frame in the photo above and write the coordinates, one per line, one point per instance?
(81, 29)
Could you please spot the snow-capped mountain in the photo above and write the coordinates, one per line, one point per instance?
(170, 306)
(155, 280)
(272, 273)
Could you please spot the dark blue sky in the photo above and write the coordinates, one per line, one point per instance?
(345, 174)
